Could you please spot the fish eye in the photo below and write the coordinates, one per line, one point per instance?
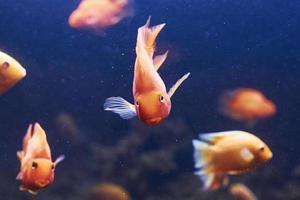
(137, 103)
(34, 165)
(262, 148)
(161, 98)
(52, 167)
(5, 65)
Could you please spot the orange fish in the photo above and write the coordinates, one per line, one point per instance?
(11, 72)
(37, 167)
(241, 192)
(152, 103)
(220, 154)
(246, 104)
(100, 14)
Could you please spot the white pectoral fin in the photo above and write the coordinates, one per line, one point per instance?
(246, 155)
(177, 84)
(59, 159)
(19, 176)
(159, 60)
(120, 106)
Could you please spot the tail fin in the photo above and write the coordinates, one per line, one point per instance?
(204, 163)
(147, 36)
(200, 154)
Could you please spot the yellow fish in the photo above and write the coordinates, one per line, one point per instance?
(220, 154)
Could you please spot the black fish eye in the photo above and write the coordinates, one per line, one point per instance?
(137, 103)
(34, 165)
(262, 148)
(5, 65)
(52, 167)
(161, 98)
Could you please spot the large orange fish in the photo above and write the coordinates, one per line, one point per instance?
(220, 154)
(152, 102)
(37, 167)
(246, 104)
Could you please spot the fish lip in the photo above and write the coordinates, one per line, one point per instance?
(43, 183)
(154, 121)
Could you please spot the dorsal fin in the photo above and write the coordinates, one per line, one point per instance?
(215, 137)
(159, 60)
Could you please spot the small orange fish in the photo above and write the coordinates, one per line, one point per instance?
(152, 103)
(11, 72)
(37, 167)
(246, 104)
(241, 192)
(220, 154)
(100, 14)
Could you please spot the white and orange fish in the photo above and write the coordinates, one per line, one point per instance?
(11, 72)
(220, 154)
(152, 102)
(37, 167)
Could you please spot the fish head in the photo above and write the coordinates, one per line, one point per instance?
(76, 19)
(262, 152)
(268, 108)
(38, 173)
(153, 107)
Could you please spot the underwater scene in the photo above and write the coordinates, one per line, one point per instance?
(149, 100)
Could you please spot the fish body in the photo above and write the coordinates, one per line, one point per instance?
(11, 72)
(220, 154)
(152, 102)
(37, 167)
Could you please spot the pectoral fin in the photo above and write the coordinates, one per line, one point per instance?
(19, 176)
(246, 155)
(177, 84)
(59, 159)
(159, 60)
(120, 106)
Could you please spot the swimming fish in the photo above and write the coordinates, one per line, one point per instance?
(241, 192)
(246, 104)
(152, 103)
(217, 155)
(100, 14)
(11, 72)
(37, 167)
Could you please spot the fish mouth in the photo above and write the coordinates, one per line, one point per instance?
(154, 121)
(43, 183)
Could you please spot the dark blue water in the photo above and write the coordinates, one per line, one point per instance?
(224, 44)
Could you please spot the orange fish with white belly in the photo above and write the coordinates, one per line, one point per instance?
(152, 103)
(37, 167)
(220, 154)
(11, 72)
